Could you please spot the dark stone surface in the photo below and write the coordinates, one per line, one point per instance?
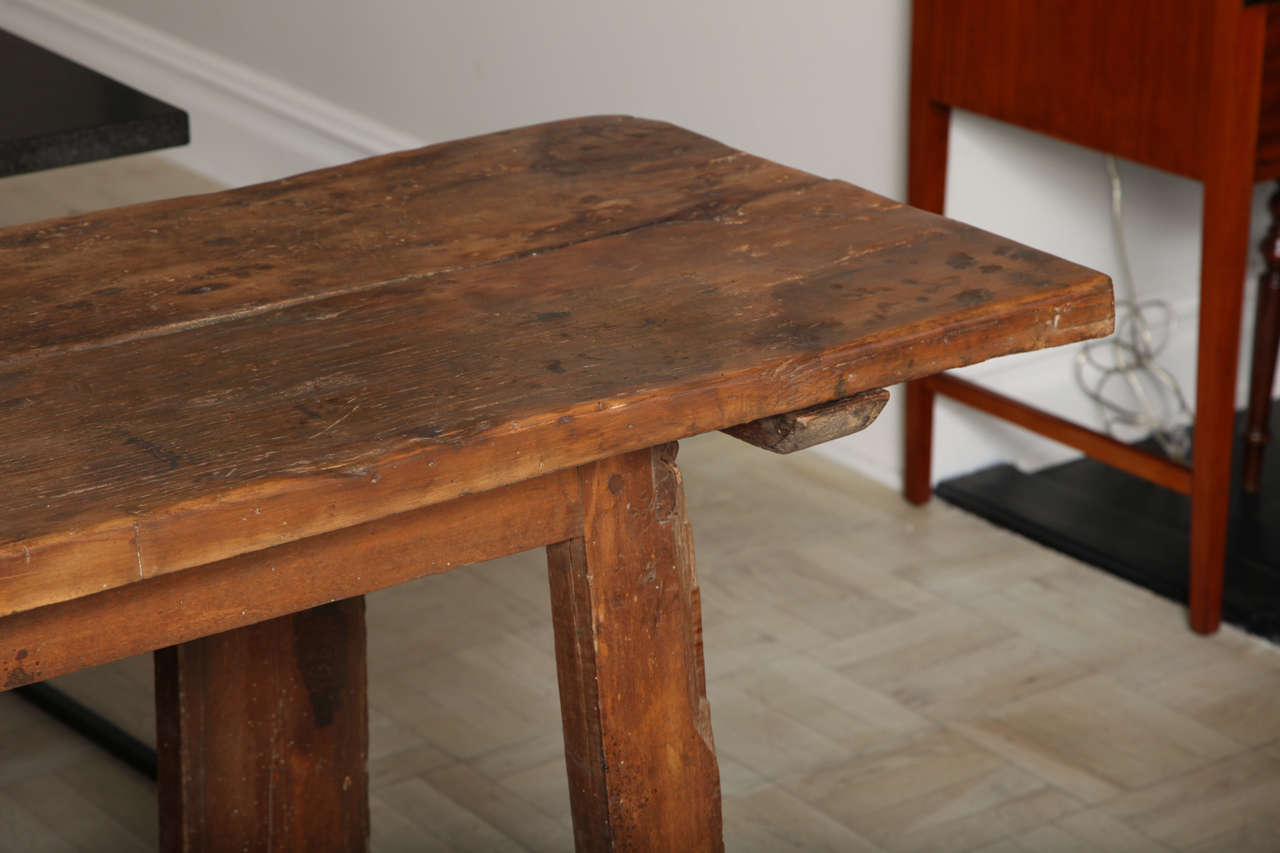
(1137, 530)
(54, 112)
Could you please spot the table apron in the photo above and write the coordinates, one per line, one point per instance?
(60, 638)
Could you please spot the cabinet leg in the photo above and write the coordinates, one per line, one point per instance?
(917, 463)
(930, 125)
(1231, 123)
(262, 736)
(1266, 346)
(628, 635)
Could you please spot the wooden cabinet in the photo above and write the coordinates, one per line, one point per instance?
(1189, 86)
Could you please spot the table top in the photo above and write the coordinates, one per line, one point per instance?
(59, 112)
(196, 378)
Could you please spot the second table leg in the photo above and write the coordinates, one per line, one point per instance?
(263, 736)
(628, 633)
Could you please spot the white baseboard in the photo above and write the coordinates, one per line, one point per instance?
(246, 126)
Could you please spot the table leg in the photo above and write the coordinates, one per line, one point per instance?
(917, 450)
(1266, 344)
(628, 632)
(1231, 137)
(927, 145)
(262, 736)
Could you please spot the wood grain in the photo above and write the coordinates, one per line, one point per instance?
(189, 441)
(633, 695)
(156, 268)
(263, 736)
(129, 620)
(792, 431)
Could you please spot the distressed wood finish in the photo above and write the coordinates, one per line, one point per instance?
(633, 695)
(263, 736)
(792, 431)
(136, 618)
(259, 424)
(1177, 84)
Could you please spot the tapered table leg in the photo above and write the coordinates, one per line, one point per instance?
(1231, 139)
(262, 736)
(628, 634)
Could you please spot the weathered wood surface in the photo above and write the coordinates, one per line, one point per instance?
(135, 618)
(633, 695)
(792, 431)
(189, 380)
(262, 736)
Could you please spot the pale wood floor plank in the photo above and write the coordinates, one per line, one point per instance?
(1096, 739)
(78, 820)
(119, 791)
(504, 809)
(1236, 798)
(784, 822)
(1093, 829)
(437, 815)
(22, 830)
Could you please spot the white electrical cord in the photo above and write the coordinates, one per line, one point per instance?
(1120, 373)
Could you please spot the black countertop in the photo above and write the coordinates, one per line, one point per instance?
(54, 112)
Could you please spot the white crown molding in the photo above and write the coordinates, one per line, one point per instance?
(246, 126)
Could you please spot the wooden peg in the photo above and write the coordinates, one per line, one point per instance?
(802, 429)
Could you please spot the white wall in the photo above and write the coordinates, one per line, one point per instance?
(278, 86)
(818, 80)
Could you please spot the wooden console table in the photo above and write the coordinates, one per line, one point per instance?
(1189, 86)
(229, 417)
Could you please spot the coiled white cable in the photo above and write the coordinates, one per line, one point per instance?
(1119, 373)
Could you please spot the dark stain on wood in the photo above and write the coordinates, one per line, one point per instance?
(19, 677)
(321, 664)
(973, 297)
(262, 735)
(170, 459)
(205, 288)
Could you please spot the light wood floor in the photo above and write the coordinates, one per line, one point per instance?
(881, 678)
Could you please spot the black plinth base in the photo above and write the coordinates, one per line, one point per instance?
(1136, 530)
(54, 112)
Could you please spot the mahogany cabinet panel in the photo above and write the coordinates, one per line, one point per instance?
(1127, 77)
